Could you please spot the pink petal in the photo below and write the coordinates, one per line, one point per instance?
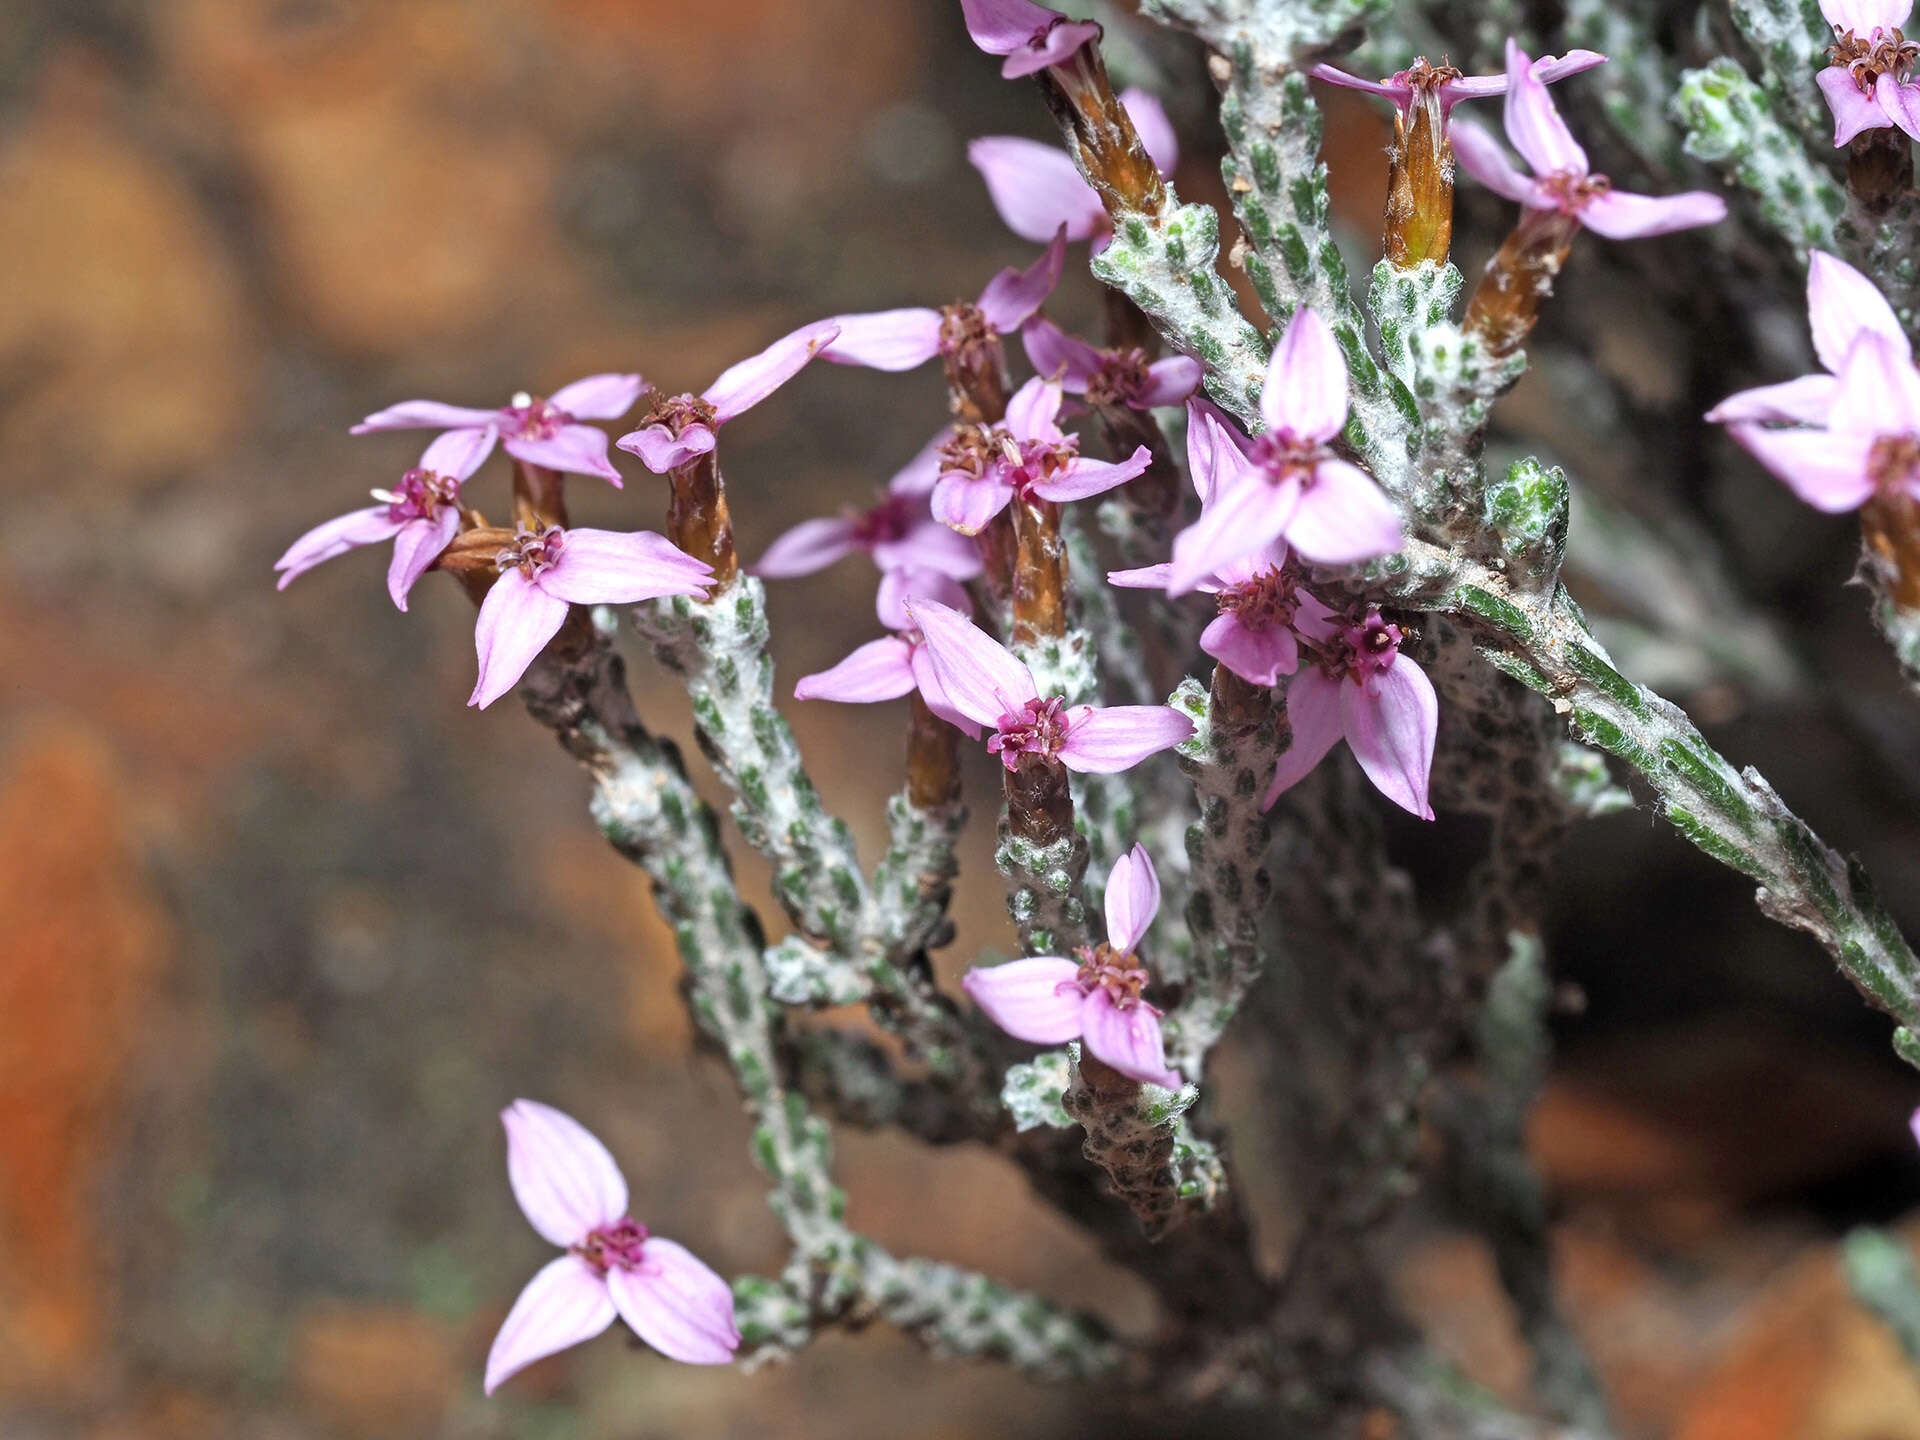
(916, 477)
(1032, 411)
(1312, 620)
(1841, 303)
(416, 546)
(426, 415)
(1259, 657)
(1549, 68)
(1343, 517)
(980, 676)
(966, 503)
(1079, 478)
(1619, 215)
(1827, 470)
(1057, 44)
(574, 449)
(1397, 91)
(599, 397)
(743, 386)
(935, 694)
(1036, 189)
(1305, 394)
(1169, 382)
(878, 670)
(1853, 111)
(1390, 724)
(660, 450)
(563, 1177)
(1807, 401)
(1056, 355)
(1863, 17)
(565, 1304)
(1034, 1000)
(886, 339)
(459, 452)
(1156, 132)
(917, 582)
(677, 1304)
(610, 567)
(1534, 124)
(930, 545)
(1148, 577)
(1879, 389)
(1242, 516)
(1012, 296)
(1898, 101)
(1129, 1040)
(1133, 899)
(1000, 27)
(336, 537)
(1205, 439)
(807, 548)
(1313, 708)
(1119, 737)
(516, 621)
(1913, 1124)
(1482, 157)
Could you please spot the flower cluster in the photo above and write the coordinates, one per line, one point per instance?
(1867, 82)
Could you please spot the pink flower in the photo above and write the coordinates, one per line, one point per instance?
(1842, 305)
(575, 1196)
(1031, 36)
(906, 339)
(1866, 84)
(899, 532)
(982, 470)
(1253, 633)
(888, 668)
(1448, 86)
(1561, 180)
(545, 432)
(1871, 439)
(1287, 482)
(1361, 688)
(681, 428)
(543, 571)
(1038, 189)
(1048, 1000)
(1109, 377)
(421, 516)
(987, 685)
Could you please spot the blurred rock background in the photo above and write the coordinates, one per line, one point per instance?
(284, 924)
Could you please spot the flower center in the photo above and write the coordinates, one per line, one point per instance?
(1885, 52)
(1284, 456)
(966, 336)
(1029, 462)
(968, 451)
(680, 412)
(420, 495)
(1115, 971)
(1266, 602)
(618, 1246)
(531, 551)
(1424, 78)
(1038, 40)
(884, 522)
(1038, 727)
(1573, 191)
(1359, 652)
(1121, 376)
(1893, 461)
(533, 417)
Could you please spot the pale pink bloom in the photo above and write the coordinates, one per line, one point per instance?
(1109, 377)
(681, 428)
(1867, 86)
(1031, 36)
(1913, 1124)
(898, 532)
(1049, 1000)
(545, 432)
(986, 684)
(906, 339)
(1402, 88)
(1361, 688)
(1871, 439)
(421, 515)
(1842, 305)
(890, 667)
(1038, 189)
(575, 1196)
(1253, 633)
(545, 570)
(1029, 456)
(1287, 483)
(1562, 179)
